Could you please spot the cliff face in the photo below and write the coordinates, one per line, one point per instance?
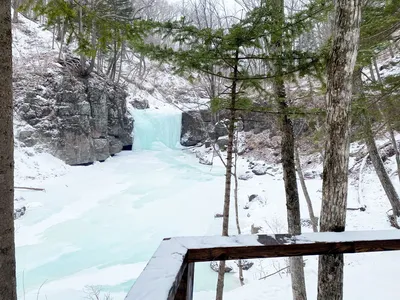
(79, 120)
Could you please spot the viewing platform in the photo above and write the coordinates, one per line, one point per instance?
(169, 275)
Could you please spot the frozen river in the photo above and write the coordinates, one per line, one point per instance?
(99, 225)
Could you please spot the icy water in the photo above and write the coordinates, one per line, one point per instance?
(99, 225)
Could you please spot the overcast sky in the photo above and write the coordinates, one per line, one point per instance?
(229, 3)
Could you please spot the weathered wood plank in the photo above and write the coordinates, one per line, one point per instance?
(185, 290)
(283, 245)
(162, 275)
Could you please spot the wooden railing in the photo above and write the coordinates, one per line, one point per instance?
(169, 275)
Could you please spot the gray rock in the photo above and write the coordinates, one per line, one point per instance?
(199, 125)
(205, 161)
(19, 212)
(205, 158)
(311, 175)
(196, 127)
(79, 120)
(260, 169)
(221, 128)
(252, 197)
(222, 143)
(246, 176)
(139, 103)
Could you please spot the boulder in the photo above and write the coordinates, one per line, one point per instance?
(19, 212)
(221, 128)
(253, 197)
(222, 142)
(195, 127)
(260, 170)
(139, 103)
(246, 176)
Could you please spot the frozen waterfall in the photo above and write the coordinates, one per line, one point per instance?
(154, 128)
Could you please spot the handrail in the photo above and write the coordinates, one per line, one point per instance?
(169, 274)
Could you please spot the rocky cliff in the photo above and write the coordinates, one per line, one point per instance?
(79, 120)
(201, 125)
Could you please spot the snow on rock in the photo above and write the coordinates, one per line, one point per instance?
(246, 176)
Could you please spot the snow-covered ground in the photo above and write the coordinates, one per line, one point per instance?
(98, 225)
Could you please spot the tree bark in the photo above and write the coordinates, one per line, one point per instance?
(16, 4)
(314, 220)
(7, 246)
(291, 191)
(235, 191)
(346, 33)
(396, 148)
(287, 153)
(228, 174)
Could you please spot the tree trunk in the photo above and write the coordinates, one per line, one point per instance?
(82, 56)
(371, 71)
(313, 219)
(396, 148)
(346, 33)
(235, 191)
(287, 153)
(15, 12)
(378, 75)
(7, 246)
(291, 191)
(228, 174)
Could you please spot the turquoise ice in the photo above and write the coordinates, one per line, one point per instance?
(99, 225)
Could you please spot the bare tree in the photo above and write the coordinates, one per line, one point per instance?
(313, 218)
(7, 246)
(346, 34)
(371, 145)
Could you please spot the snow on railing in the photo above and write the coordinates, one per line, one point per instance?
(170, 272)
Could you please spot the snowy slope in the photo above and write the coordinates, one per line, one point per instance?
(270, 214)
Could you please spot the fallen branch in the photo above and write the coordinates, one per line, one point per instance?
(269, 275)
(362, 208)
(28, 188)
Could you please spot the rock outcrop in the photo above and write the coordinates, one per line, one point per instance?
(199, 126)
(79, 120)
